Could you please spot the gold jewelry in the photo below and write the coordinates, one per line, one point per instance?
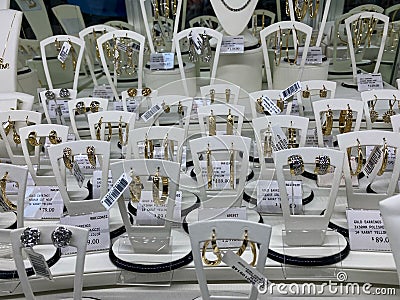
(32, 139)
(166, 147)
(229, 123)
(16, 137)
(156, 189)
(301, 11)
(209, 168)
(132, 92)
(94, 106)
(244, 246)
(148, 148)
(68, 158)
(345, 120)
(212, 125)
(384, 159)
(296, 164)
(53, 138)
(227, 95)
(215, 250)
(5, 65)
(164, 194)
(259, 107)
(90, 151)
(292, 135)
(146, 92)
(328, 124)
(306, 93)
(80, 108)
(323, 93)
(73, 55)
(180, 109)
(166, 107)
(95, 42)
(322, 164)
(206, 53)
(9, 126)
(268, 141)
(390, 112)
(280, 103)
(232, 167)
(296, 54)
(360, 159)
(6, 203)
(212, 95)
(98, 129)
(313, 11)
(277, 62)
(120, 133)
(116, 54)
(373, 114)
(135, 188)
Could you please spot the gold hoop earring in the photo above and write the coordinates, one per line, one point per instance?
(384, 159)
(135, 188)
(328, 124)
(6, 203)
(209, 168)
(148, 148)
(360, 159)
(94, 106)
(252, 247)
(345, 120)
(215, 250)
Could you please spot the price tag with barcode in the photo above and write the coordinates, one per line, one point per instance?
(62, 56)
(97, 176)
(197, 41)
(77, 172)
(232, 44)
(291, 90)
(151, 112)
(270, 106)
(314, 55)
(116, 191)
(373, 157)
(279, 140)
(366, 82)
(39, 264)
(162, 61)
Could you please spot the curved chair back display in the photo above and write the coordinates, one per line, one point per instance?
(321, 107)
(78, 239)
(201, 232)
(13, 120)
(204, 21)
(221, 92)
(307, 229)
(232, 152)
(61, 161)
(38, 136)
(70, 18)
(23, 101)
(359, 197)
(255, 102)
(72, 66)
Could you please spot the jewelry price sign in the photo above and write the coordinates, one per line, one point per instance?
(232, 44)
(366, 82)
(161, 61)
(221, 174)
(314, 55)
(43, 202)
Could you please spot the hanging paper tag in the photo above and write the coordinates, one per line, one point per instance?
(116, 191)
(232, 44)
(291, 90)
(270, 106)
(314, 55)
(197, 41)
(151, 112)
(96, 179)
(99, 231)
(249, 273)
(279, 140)
(103, 91)
(269, 199)
(366, 82)
(370, 150)
(148, 213)
(43, 202)
(221, 174)
(162, 61)
(84, 164)
(366, 230)
(198, 102)
(39, 264)
(77, 172)
(373, 154)
(62, 56)
(58, 109)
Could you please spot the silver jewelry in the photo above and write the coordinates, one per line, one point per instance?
(61, 237)
(50, 95)
(322, 164)
(296, 164)
(64, 93)
(30, 237)
(236, 9)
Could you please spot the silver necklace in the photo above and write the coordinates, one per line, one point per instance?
(236, 9)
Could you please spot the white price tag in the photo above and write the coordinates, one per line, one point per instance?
(221, 174)
(366, 230)
(149, 213)
(131, 105)
(291, 90)
(103, 91)
(43, 202)
(199, 102)
(99, 231)
(391, 157)
(96, 179)
(39, 264)
(232, 44)
(84, 164)
(270, 106)
(269, 199)
(314, 55)
(58, 109)
(62, 56)
(250, 274)
(77, 172)
(279, 140)
(366, 82)
(116, 191)
(162, 61)
(151, 112)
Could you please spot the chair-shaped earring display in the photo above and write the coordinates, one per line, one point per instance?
(136, 100)
(55, 104)
(221, 93)
(257, 98)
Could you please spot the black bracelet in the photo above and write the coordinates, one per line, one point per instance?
(13, 274)
(370, 190)
(117, 232)
(253, 201)
(309, 175)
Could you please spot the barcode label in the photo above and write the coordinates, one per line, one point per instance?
(62, 56)
(270, 106)
(39, 264)
(77, 172)
(151, 112)
(279, 140)
(116, 191)
(197, 41)
(122, 46)
(373, 160)
(291, 90)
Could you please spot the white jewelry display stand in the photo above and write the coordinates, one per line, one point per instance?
(284, 77)
(224, 143)
(366, 15)
(9, 34)
(143, 100)
(321, 106)
(78, 205)
(138, 135)
(381, 105)
(359, 199)
(109, 36)
(78, 239)
(220, 92)
(390, 211)
(45, 102)
(60, 76)
(185, 34)
(44, 176)
(20, 117)
(72, 108)
(314, 87)
(24, 101)
(19, 175)
(307, 229)
(138, 234)
(228, 230)
(221, 111)
(70, 18)
(274, 95)
(87, 35)
(395, 120)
